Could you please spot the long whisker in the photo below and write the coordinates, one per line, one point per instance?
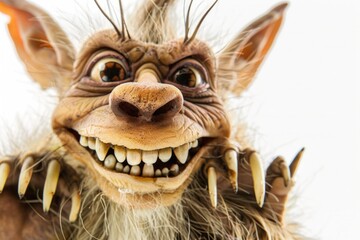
(187, 28)
(200, 22)
(123, 23)
(109, 19)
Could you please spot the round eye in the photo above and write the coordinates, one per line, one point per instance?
(188, 76)
(108, 70)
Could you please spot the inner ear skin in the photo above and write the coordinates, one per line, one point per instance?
(84, 97)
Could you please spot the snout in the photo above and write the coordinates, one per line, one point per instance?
(146, 99)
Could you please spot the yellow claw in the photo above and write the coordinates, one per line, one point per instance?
(258, 175)
(211, 174)
(295, 163)
(4, 174)
(52, 177)
(75, 205)
(25, 176)
(285, 172)
(231, 159)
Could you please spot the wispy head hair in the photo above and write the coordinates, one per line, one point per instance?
(152, 22)
(124, 30)
(188, 39)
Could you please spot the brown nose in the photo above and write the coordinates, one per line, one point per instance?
(148, 101)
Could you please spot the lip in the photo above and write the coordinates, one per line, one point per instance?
(137, 135)
(144, 193)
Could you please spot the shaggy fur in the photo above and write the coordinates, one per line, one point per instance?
(191, 217)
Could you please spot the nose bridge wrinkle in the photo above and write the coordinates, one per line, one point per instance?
(147, 73)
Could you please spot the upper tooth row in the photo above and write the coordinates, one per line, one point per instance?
(135, 156)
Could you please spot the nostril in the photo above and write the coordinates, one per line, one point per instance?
(164, 109)
(168, 108)
(146, 102)
(128, 109)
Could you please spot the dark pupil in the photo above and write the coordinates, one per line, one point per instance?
(112, 72)
(186, 77)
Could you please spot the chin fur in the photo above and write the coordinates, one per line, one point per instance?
(188, 218)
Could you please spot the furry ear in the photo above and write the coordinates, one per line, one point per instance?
(242, 57)
(40, 43)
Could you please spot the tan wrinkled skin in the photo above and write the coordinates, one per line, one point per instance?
(213, 194)
(95, 117)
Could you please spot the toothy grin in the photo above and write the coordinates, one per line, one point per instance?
(166, 162)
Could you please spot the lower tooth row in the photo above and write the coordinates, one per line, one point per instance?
(147, 171)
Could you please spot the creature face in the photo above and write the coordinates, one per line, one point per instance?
(139, 115)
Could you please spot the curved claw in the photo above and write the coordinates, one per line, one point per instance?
(211, 174)
(52, 177)
(258, 175)
(4, 174)
(25, 176)
(295, 163)
(231, 160)
(285, 172)
(75, 205)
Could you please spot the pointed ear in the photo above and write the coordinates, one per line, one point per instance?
(41, 44)
(240, 60)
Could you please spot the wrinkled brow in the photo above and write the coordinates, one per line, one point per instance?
(166, 54)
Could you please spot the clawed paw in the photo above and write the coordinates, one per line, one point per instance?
(279, 175)
(246, 174)
(42, 173)
(240, 165)
(280, 180)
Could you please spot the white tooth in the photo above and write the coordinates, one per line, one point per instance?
(83, 141)
(148, 170)
(195, 144)
(182, 152)
(149, 157)
(165, 172)
(126, 169)
(101, 149)
(174, 169)
(133, 156)
(165, 154)
(158, 173)
(91, 143)
(120, 153)
(119, 167)
(110, 162)
(135, 170)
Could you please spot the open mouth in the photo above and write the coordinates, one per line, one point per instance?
(165, 162)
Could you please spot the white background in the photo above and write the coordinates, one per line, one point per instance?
(306, 94)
